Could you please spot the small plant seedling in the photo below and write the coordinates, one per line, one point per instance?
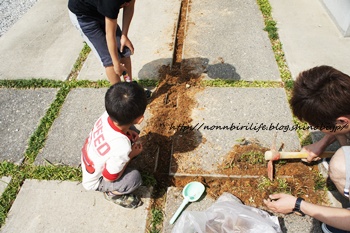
(253, 157)
(320, 182)
(283, 186)
(264, 183)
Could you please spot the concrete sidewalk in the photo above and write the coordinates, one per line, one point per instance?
(309, 36)
(226, 42)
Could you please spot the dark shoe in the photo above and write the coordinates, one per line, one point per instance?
(126, 200)
(328, 229)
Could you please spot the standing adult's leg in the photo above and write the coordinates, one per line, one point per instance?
(93, 32)
(111, 75)
(127, 63)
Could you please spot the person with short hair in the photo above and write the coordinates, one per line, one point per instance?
(112, 144)
(321, 97)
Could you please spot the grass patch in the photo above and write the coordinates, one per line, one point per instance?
(271, 29)
(53, 172)
(156, 220)
(8, 169)
(31, 83)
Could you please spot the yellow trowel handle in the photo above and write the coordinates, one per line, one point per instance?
(295, 155)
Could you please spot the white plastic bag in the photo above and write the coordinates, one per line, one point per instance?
(227, 215)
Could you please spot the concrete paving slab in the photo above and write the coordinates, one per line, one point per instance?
(21, 111)
(338, 200)
(153, 37)
(11, 11)
(63, 206)
(92, 69)
(289, 223)
(4, 181)
(79, 112)
(292, 223)
(230, 37)
(248, 108)
(309, 36)
(42, 44)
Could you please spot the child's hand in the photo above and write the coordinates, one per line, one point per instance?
(134, 135)
(136, 149)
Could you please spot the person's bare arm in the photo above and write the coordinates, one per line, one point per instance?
(136, 149)
(335, 217)
(317, 148)
(128, 13)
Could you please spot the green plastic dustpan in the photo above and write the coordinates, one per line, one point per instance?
(191, 192)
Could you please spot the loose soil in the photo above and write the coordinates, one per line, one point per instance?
(171, 104)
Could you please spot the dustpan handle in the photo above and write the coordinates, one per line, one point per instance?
(178, 211)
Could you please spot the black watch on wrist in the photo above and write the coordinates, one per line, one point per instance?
(297, 207)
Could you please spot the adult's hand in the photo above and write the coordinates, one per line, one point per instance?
(313, 151)
(119, 69)
(125, 41)
(281, 203)
(317, 148)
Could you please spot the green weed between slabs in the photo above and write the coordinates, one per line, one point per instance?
(79, 62)
(288, 82)
(156, 221)
(271, 29)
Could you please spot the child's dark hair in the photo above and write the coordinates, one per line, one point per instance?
(125, 101)
(321, 95)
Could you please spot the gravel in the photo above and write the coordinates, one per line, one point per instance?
(11, 11)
